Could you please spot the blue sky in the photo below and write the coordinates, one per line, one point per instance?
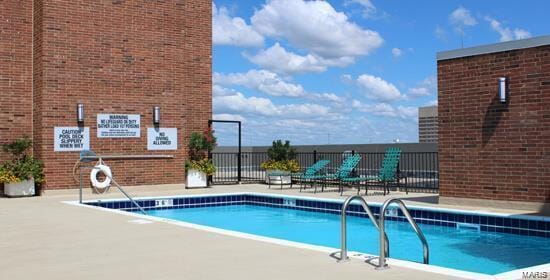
(345, 72)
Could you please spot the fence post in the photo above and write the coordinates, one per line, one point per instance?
(314, 156)
(209, 179)
(239, 158)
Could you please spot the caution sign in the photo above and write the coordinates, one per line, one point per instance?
(71, 139)
(162, 138)
(118, 126)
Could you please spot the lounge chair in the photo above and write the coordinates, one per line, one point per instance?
(343, 171)
(387, 173)
(311, 172)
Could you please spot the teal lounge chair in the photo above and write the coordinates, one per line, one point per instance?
(344, 171)
(387, 173)
(310, 172)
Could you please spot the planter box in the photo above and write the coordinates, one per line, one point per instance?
(23, 188)
(277, 177)
(196, 178)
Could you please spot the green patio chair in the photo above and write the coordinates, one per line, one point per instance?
(310, 172)
(387, 173)
(344, 171)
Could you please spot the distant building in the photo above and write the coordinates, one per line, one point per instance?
(427, 124)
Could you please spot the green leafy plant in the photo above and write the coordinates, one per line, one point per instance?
(199, 145)
(22, 166)
(204, 165)
(280, 151)
(281, 157)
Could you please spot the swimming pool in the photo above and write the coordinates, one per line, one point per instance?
(467, 241)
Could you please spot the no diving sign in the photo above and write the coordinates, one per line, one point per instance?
(71, 139)
(162, 138)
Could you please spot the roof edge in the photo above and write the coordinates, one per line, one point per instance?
(493, 48)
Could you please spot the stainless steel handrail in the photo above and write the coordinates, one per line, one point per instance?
(125, 193)
(343, 227)
(128, 157)
(110, 177)
(383, 241)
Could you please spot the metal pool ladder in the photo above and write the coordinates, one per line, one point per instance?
(384, 239)
(344, 249)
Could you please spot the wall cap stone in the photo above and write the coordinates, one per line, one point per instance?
(493, 48)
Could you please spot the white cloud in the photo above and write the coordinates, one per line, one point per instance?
(431, 103)
(507, 34)
(346, 79)
(419, 91)
(396, 52)
(315, 26)
(262, 80)
(279, 60)
(386, 110)
(378, 89)
(253, 106)
(462, 17)
(240, 104)
(440, 33)
(269, 83)
(229, 117)
(232, 31)
(221, 91)
(425, 88)
(369, 10)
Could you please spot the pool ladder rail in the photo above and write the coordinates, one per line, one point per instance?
(88, 156)
(384, 242)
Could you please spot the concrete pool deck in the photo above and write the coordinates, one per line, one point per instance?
(44, 238)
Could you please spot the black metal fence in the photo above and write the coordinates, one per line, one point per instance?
(419, 170)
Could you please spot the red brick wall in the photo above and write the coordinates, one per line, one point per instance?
(490, 150)
(15, 71)
(118, 57)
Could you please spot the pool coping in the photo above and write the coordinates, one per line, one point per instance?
(513, 274)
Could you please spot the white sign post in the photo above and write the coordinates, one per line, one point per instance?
(71, 139)
(162, 138)
(118, 126)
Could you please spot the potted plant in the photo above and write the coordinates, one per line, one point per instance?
(281, 163)
(20, 175)
(199, 166)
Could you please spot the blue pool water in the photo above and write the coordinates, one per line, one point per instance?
(464, 249)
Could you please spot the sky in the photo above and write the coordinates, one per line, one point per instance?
(345, 72)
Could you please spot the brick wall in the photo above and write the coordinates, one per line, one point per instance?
(119, 57)
(15, 71)
(489, 150)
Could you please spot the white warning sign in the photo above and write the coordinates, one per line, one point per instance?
(162, 138)
(71, 139)
(118, 126)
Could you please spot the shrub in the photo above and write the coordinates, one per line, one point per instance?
(199, 145)
(22, 166)
(281, 157)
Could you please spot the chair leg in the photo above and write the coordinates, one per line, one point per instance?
(358, 188)
(385, 187)
(314, 186)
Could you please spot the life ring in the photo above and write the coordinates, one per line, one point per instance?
(106, 171)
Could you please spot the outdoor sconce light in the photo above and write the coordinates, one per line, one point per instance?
(502, 87)
(156, 115)
(80, 113)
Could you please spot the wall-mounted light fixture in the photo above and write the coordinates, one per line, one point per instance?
(156, 115)
(80, 113)
(502, 89)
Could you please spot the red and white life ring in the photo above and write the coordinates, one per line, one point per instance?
(106, 171)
